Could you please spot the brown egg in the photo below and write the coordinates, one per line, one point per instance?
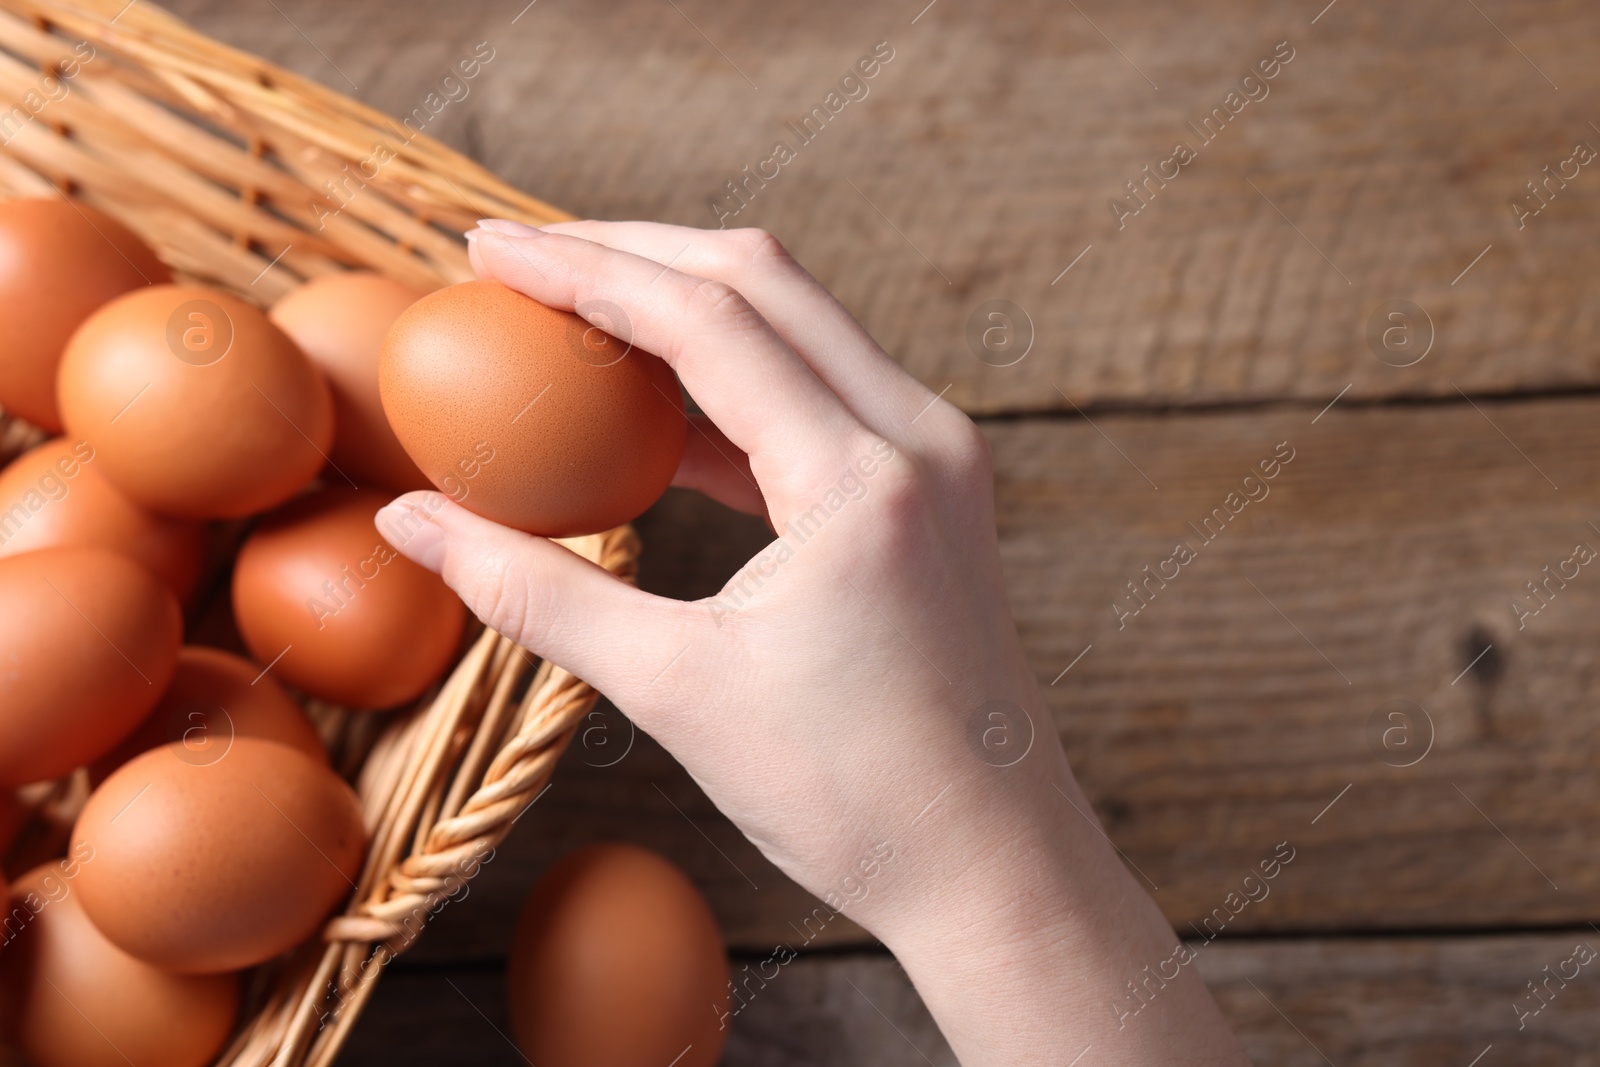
(528, 415)
(53, 495)
(336, 611)
(617, 962)
(201, 867)
(59, 261)
(196, 405)
(339, 321)
(71, 998)
(88, 642)
(215, 697)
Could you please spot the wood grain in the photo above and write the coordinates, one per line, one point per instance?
(1227, 715)
(1365, 1002)
(1357, 1002)
(983, 158)
(819, 1010)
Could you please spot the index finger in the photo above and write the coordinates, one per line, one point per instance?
(741, 373)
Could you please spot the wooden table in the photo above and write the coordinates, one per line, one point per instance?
(1341, 666)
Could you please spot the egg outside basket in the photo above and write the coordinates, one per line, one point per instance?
(246, 177)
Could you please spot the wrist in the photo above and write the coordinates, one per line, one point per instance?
(1020, 927)
(1018, 864)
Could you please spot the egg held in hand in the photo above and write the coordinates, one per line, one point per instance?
(59, 261)
(205, 865)
(71, 998)
(528, 415)
(617, 962)
(197, 405)
(339, 321)
(53, 495)
(88, 642)
(320, 595)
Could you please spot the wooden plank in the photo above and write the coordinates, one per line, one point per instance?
(1369, 1002)
(809, 1014)
(429, 1016)
(984, 156)
(1239, 703)
(1358, 1002)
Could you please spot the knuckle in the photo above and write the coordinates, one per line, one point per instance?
(955, 444)
(904, 490)
(758, 248)
(719, 304)
(971, 457)
(503, 599)
(903, 511)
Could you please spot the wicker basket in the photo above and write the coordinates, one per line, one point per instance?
(247, 177)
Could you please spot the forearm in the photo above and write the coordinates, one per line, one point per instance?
(1033, 952)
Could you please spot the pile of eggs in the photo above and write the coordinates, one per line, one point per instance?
(193, 432)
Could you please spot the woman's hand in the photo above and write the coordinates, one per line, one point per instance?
(856, 699)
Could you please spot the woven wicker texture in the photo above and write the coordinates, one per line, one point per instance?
(244, 176)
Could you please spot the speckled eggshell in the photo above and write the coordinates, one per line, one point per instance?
(617, 962)
(88, 642)
(197, 405)
(59, 261)
(205, 866)
(214, 697)
(71, 998)
(528, 415)
(339, 320)
(53, 495)
(363, 626)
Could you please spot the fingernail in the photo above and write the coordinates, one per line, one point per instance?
(412, 531)
(509, 228)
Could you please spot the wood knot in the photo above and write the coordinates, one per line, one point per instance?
(1481, 656)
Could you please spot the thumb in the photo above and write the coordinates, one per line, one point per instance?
(541, 594)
